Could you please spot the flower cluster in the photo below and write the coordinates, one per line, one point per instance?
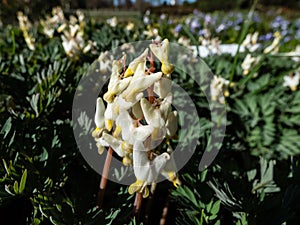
(72, 31)
(135, 125)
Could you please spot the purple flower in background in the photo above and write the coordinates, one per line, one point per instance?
(298, 33)
(287, 39)
(163, 16)
(194, 24)
(266, 37)
(201, 32)
(195, 11)
(178, 28)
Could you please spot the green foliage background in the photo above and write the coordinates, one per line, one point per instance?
(44, 179)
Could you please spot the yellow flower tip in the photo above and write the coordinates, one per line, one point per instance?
(135, 187)
(128, 72)
(109, 124)
(231, 84)
(167, 68)
(127, 161)
(109, 96)
(97, 132)
(294, 88)
(100, 148)
(176, 182)
(117, 132)
(214, 98)
(145, 192)
(246, 72)
(126, 147)
(226, 93)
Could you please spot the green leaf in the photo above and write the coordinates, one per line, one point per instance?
(23, 181)
(216, 207)
(16, 187)
(6, 127)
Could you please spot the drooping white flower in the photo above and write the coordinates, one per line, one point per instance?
(248, 63)
(140, 82)
(250, 42)
(116, 85)
(170, 170)
(133, 65)
(218, 89)
(274, 47)
(161, 51)
(146, 171)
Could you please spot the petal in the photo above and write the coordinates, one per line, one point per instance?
(99, 115)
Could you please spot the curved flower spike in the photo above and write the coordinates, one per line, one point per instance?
(99, 118)
(133, 65)
(140, 82)
(169, 171)
(116, 85)
(161, 51)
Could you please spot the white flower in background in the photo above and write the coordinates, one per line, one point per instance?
(248, 63)
(292, 81)
(218, 89)
(152, 33)
(130, 26)
(274, 47)
(250, 42)
(113, 22)
(105, 62)
(184, 41)
(25, 26)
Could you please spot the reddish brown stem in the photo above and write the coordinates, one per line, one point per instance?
(137, 204)
(164, 213)
(104, 177)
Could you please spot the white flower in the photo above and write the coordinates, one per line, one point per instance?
(146, 171)
(133, 65)
(112, 21)
(217, 87)
(250, 42)
(132, 132)
(99, 115)
(163, 87)
(140, 82)
(292, 81)
(248, 63)
(116, 84)
(161, 51)
(274, 47)
(169, 170)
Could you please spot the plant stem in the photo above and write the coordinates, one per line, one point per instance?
(104, 177)
(165, 212)
(137, 205)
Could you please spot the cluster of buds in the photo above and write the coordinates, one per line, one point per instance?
(25, 26)
(135, 125)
